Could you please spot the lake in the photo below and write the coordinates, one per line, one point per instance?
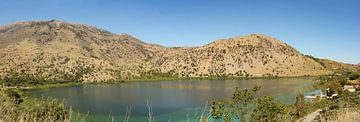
(170, 100)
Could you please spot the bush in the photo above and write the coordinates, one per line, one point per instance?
(267, 110)
(300, 106)
(354, 76)
(21, 79)
(44, 110)
(235, 108)
(14, 107)
(13, 96)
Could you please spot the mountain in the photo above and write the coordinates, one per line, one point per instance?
(253, 55)
(58, 50)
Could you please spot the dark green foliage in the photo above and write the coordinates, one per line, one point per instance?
(334, 83)
(14, 96)
(316, 59)
(300, 106)
(244, 103)
(242, 98)
(235, 108)
(342, 82)
(15, 107)
(354, 76)
(222, 110)
(22, 79)
(267, 110)
(157, 74)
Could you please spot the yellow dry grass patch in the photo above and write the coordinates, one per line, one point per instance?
(348, 116)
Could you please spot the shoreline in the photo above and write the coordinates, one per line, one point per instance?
(170, 79)
(204, 78)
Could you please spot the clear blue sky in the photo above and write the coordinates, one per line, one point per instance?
(323, 28)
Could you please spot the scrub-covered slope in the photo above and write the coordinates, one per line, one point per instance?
(59, 50)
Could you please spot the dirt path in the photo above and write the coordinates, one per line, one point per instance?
(310, 117)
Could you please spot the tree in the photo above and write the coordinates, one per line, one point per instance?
(221, 110)
(354, 76)
(300, 105)
(267, 110)
(342, 82)
(235, 108)
(242, 98)
(14, 96)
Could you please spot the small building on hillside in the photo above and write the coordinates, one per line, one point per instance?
(350, 88)
(318, 94)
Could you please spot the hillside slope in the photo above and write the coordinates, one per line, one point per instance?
(59, 50)
(338, 66)
(51, 48)
(253, 55)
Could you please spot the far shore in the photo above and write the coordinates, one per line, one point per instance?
(207, 78)
(58, 85)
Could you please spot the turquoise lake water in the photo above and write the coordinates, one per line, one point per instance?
(170, 100)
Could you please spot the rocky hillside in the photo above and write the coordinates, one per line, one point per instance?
(254, 55)
(338, 66)
(59, 50)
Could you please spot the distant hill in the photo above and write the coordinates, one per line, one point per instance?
(338, 66)
(57, 50)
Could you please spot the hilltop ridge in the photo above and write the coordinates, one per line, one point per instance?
(58, 50)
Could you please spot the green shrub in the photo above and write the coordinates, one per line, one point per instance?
(235, 108)
(300, 106)
(267, 110)
(354, 76)
(13, 96)
(44, 110)
(15, 107)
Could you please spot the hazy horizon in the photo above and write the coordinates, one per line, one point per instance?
(324, 29)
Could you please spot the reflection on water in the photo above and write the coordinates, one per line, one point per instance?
(168, 98)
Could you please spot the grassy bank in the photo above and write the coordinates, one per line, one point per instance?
(48, 86)
(35, 82)
(38, 87)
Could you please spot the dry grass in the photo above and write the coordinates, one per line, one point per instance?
(346, 115)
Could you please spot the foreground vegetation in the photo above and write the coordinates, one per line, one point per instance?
(245, 105)
(17, 107)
